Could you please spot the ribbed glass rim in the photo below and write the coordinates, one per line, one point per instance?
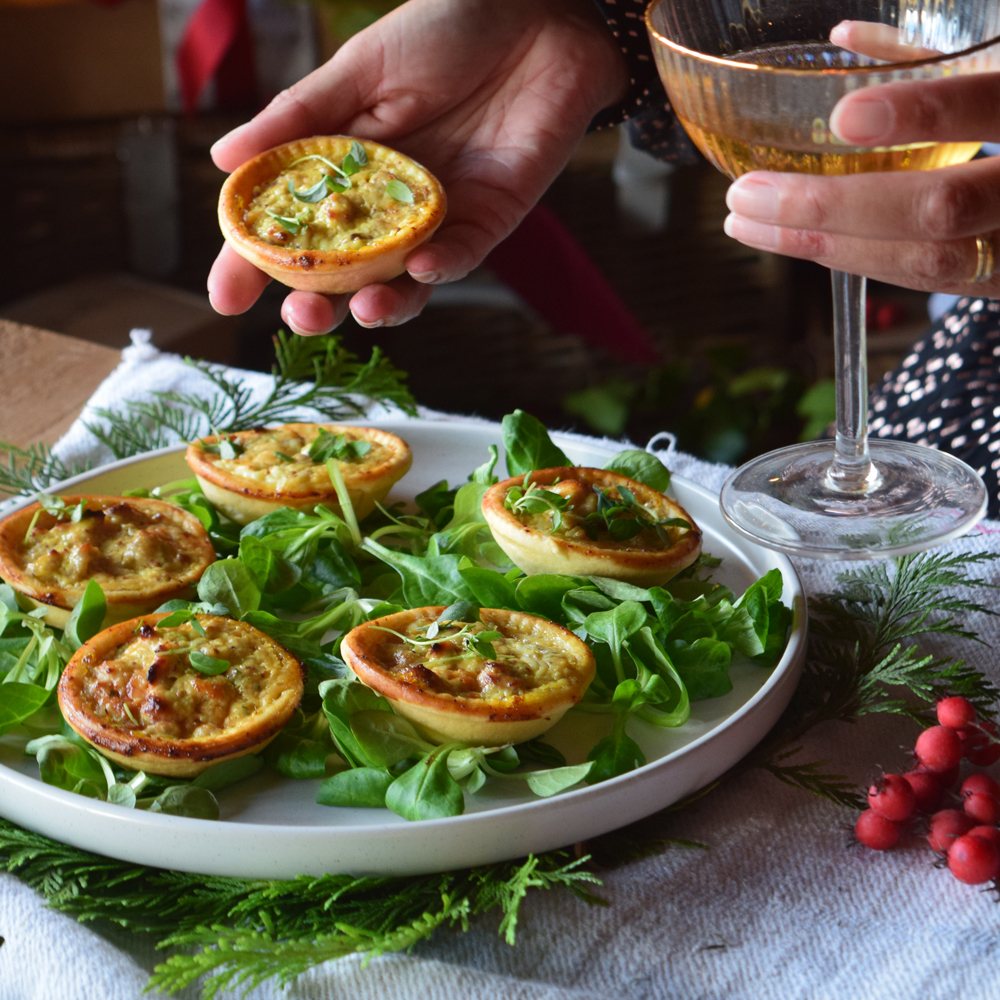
(789, 71)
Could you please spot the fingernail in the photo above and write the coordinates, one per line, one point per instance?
(426, 277)
(374, 325)
(862, 120)
(758, 199)
(752, 233)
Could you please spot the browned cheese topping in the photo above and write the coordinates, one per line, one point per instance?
(148, 687)
(278, 460)
(576, 527)
(121, 547)
(527, 659)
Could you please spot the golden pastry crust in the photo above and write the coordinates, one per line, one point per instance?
(273, 470)
(350, 239)
(645, 560)
(142, 552)
(450, 692)
(150, 710)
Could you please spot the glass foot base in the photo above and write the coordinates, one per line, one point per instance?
(920, 498)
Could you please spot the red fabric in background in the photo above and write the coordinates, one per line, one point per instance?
(217, 44)
(542, 262)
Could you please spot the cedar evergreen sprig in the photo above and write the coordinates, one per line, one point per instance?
(250, 930)
(32, 469)
(340, 386)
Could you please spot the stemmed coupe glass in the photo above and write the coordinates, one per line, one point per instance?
(754, 82)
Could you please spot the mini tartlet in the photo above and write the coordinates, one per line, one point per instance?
(142, 552)
(271, 468)
(450, 691)
(278, 211)
(132, 693)
(581, 542)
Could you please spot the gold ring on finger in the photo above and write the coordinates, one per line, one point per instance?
(985, 259)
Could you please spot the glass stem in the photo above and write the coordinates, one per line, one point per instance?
(851, 470)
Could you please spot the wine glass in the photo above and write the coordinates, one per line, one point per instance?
(754, 82)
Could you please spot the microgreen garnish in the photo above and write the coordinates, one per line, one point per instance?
(319, 190)
(355, 159)
(326, 446)
(206, 664)
(292, 225)
(530, 498)
(128, 712)
(455, 616)
(623, 517)
(56, 506)
(398, 191)
(283, 457)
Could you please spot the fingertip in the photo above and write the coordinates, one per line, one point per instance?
(390, 304)
(310, 314)
(234, 284)
(862, 119)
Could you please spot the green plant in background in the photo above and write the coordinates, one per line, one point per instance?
(818, 407)
(345, 18)
(729, 415)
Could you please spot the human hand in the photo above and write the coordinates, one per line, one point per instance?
(917, 229)
(491, 97)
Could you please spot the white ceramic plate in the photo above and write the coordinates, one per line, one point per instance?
(272, 827)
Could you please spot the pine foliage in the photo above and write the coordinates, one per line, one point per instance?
(314, 377)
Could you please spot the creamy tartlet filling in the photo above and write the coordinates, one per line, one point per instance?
(579, 520)
(147, 686)
(363, 214)
(121, 547)
(532, 660)
(278, 459)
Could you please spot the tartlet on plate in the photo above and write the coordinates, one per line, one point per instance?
(132, 693)
(142, 552)
(451, 691)
(563, 530)
(314, 217)
(266, 469)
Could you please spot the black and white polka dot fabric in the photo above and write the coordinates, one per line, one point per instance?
(946, 392)
(650, 121)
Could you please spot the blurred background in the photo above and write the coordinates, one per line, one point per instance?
(650, 318)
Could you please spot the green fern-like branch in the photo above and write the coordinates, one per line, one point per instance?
(29, 470)
(341, 387)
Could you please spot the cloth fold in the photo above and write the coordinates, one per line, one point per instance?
(777, 908)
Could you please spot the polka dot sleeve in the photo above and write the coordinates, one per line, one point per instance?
(946, 393)
(646, 110)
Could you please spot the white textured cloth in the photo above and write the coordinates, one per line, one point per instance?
(777, 909)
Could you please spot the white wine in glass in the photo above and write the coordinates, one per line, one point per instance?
(753, 83)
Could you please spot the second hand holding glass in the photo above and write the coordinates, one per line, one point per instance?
(754, 85)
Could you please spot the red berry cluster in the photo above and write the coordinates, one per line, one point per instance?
(968, 838)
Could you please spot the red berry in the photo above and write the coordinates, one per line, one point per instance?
(974, 860)
(875, 831)
(981, 745)
(990, 833)
(980, 784)
(982, 808)
(938, 749)
(956, 713)
(927, 789)
(893, 797)
(947, 826)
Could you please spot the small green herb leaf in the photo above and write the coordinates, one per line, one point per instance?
(398, 191)
(206, 664)
(286, 222)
